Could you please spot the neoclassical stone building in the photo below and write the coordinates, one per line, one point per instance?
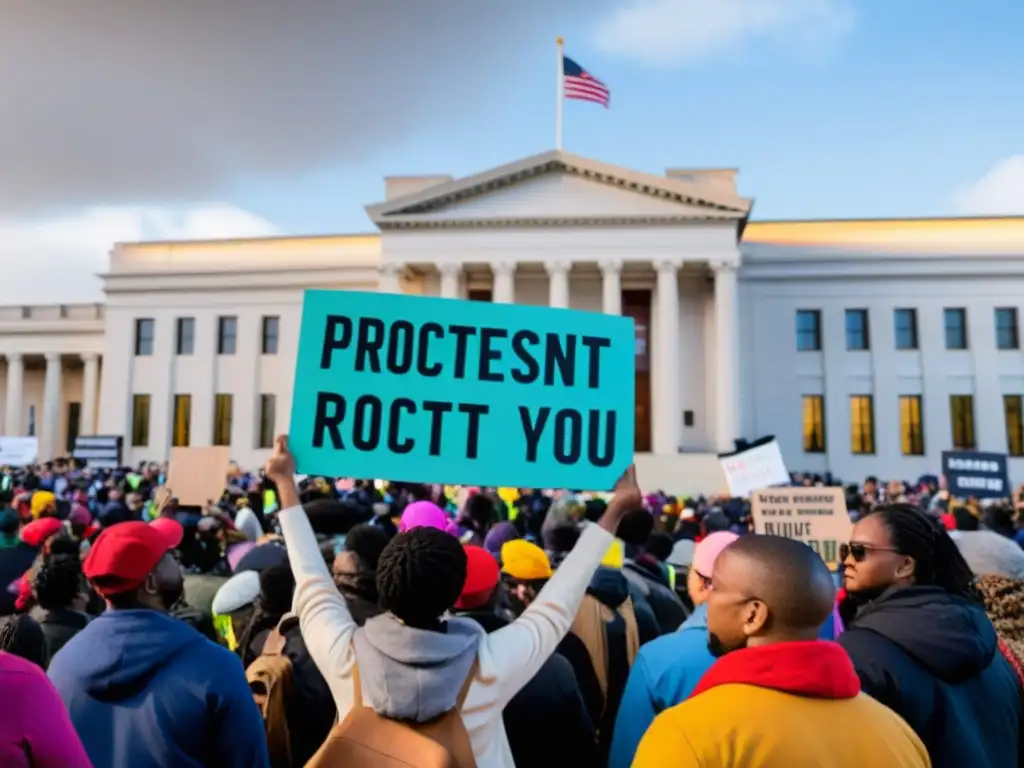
(866, 347)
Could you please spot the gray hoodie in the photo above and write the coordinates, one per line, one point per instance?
(414, 674)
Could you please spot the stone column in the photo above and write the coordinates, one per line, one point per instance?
(727, 350)
(450, 271)
(90, 391)
(611, 287)
(14, 413)
(49, 444)
(388, 281)
(668, 414)
(504, 290)
(558, 283)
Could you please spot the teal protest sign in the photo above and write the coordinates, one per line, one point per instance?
(435, 390)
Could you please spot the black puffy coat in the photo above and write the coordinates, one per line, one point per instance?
(933, 658)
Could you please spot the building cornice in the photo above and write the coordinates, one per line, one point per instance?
(415, 222)
(219, 281)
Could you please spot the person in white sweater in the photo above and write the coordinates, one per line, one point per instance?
(413, 668)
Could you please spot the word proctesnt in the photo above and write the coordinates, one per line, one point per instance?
(461, 388)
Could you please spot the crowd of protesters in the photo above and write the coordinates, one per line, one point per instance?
(331, 622)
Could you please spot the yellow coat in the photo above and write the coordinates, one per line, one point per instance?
(744, 726)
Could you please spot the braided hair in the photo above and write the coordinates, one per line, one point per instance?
(22, 636)
(420, 575)
(937, 559)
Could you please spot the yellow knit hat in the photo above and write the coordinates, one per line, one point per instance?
(524, 561)
(41, 501)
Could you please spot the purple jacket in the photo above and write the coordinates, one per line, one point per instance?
(35, 729)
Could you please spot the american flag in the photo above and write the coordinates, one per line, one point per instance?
(580, 84)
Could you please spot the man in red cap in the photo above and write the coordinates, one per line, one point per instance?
(145, 689)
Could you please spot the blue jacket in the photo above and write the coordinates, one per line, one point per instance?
(145, 690)
(664, 674)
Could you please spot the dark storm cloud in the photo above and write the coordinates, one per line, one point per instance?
(123, 100)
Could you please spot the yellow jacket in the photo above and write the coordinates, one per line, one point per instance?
(790, 705)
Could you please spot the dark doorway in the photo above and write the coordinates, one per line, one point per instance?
(480, 294)
(637, 305)
(74, 424)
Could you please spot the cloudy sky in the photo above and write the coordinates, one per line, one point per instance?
(145, 119)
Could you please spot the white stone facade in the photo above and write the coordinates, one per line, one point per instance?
(717, 297)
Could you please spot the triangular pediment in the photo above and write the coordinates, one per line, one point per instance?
(558, 187)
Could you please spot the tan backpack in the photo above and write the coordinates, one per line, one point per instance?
(369, 740)
(270, 680)
(590, 626)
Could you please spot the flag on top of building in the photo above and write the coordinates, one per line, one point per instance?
(581, 85)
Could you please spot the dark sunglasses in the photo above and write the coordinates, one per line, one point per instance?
(860, 551)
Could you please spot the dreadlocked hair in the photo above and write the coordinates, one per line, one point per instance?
(937, 559)
(420, 575)
(22, 636)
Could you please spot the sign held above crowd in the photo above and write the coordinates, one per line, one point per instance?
(815, 516)
(438, 390)
(758, 465)
(975, 474)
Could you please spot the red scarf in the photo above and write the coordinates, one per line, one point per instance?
(813, 669)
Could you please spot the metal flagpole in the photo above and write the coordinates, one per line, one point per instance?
(561, 95)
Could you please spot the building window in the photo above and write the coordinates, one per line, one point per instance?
(906, 328)
(31, 421)
(911, 426)
(222, 420)
(140, 421)
(227, 335)
(1013, 412)
(267, 408)
(814, 424)
(144, 328)
(955, 321)
(271, 324)
(1006, 328)
(808, 330)
(479, 294)
(74, 425)
(961, 416)
(857, 330)
(862, 424)
(182, 436)
(185, 341)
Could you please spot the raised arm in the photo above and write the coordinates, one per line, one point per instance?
(525, 644)
(326, 624)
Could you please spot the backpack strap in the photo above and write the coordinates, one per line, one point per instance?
(628, 615)
(276, 640)
(464, 692)
(357, 688)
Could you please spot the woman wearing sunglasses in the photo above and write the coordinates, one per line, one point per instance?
(922, 644)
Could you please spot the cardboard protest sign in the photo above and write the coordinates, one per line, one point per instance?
(436, 390)
(815, 516)
(198, 475)
(972, 473)
(759, 466)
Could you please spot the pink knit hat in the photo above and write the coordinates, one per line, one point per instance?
(425, 514)
(705, 553)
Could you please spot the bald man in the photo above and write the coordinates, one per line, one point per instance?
(776, 696)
